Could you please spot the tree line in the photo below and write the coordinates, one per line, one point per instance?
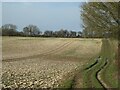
(34, 31)
(100, 20)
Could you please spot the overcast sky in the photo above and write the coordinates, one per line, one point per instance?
(46, 15)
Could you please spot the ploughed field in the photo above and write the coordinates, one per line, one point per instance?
(44, 62)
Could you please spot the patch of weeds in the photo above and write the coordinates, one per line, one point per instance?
(67, 85)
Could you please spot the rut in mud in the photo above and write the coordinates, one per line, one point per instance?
(97, 74)
(90, 68)
(95, 68)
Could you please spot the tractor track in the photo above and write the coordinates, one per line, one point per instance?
(97, 75)
(61, 47)
(100, 63)
(91, 72)
(92, 65)
(76, 77)
(94, 70)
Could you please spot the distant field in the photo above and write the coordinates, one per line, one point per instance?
(44, 62)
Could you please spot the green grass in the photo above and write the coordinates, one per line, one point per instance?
(67, 84)
(85, 74)
(108, 74)
(90, 76)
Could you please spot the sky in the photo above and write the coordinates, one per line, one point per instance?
(46, 15)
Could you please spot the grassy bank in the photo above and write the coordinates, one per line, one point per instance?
(108, 75)
(110, 72)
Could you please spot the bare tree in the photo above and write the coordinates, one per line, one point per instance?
(31, 30)
(9, 30)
